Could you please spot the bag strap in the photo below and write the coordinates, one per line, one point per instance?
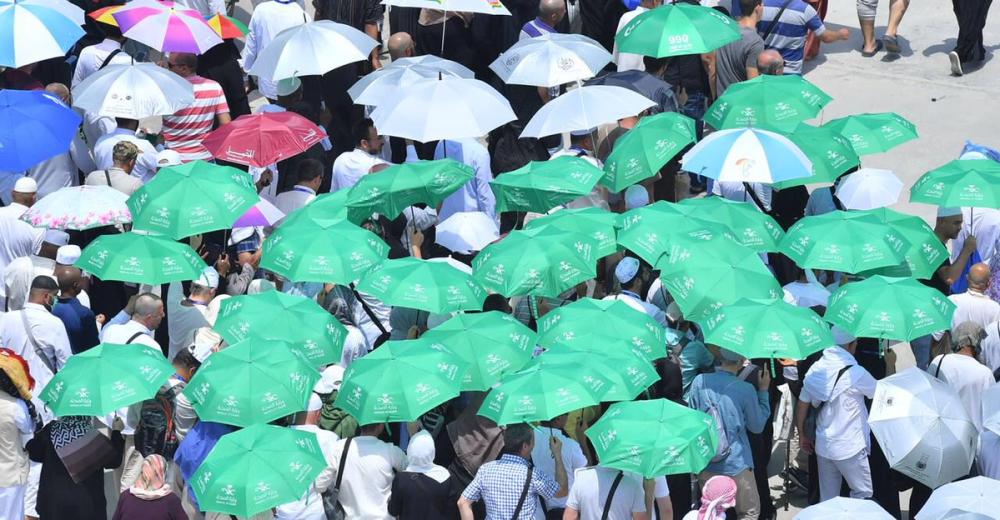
(107, 60)
(756, 200)
(937, 371)
(611, 495)
(131, 339)
(368, 310)
(524, 494)
(774, 23)
(34, 344)
(343, 463)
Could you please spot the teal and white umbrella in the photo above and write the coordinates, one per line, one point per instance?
(747, 155)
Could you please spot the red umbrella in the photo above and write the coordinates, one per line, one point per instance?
(263, 139)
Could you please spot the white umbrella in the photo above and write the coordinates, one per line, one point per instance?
(34, 32)
(974, 495)
(467, 231)
(311, 49)
(841, 508)
(79, 207)
(133, 91)
(550, 60)
(747, 155)
(64, 8)
(869, 188)
(493, 7)
(923, 428)
(584, 108)
(430, 60)
(449, 108)
(452, 262)
(991, 409)
(959, 514)
(390, 81)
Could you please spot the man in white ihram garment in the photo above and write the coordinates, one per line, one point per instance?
(268, 19)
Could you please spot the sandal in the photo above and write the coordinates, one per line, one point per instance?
(878, 47)
(891, 44)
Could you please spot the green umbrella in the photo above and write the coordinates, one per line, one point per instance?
(654, 438)
(274, 315)
(400, 381)
(596, 223)
(750, 226)
(874, 133)
(191, 199)
(542, 185)
(541, 261)
(845, 241)
(542, 391)
(609, 323)
(492, 343)
(399, 186)
(435, 287)
(704, 275)
(140, 258)
(925, 254)
(642, 151)
(767, 329)
(650, 230)
(889, 308)
(777, 103)
(966, 183)
(332, 252)
(257, 468)
(677, 30)
(831, 154)
(628, 374)
(251, 382)
(105, 378)
(325, 209)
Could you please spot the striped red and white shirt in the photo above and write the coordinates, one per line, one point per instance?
(184, 131)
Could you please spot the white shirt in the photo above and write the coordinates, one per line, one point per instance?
(355, 346)
(93, 56)
(294, 199)
(18, 238)
(842, 426)
(598, 197)
(13, 210)
(350, 167)
(736, 191)
(145, 164)
(541, 455)
(269, 19)
(968, 377)
(990, 347)
(590, 490)
(368, 472)
(984, 223)
(974, 306)
(625, 60)
(120, 334)
(207, 8)
(50, 335)
(632, 300)
(94, 127)
(808, 294)
(989, 455)
(182, 320)
(475, 195)
(310, 506)
(61, 171)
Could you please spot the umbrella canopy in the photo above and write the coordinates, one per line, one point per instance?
(491, 343)
(869, 188)
(311, 49)
(747, 155)
(274, 315)
(263, 139)
(584, 108)
(642, 151)
(550, 60)
(540, 392)
(677, 30)
(874, 133)
(974, 495)
(34, 126)
(253, 381)
(105, 15)
(650, 230)
(446, 66)
(467, 231)
(704, 275)
(923, 428)
(66, 9)
(133, 91)
(541, 262)
(597, 223)
(140, 258)
(191, 199)
(263, 214)
(925, 254)
(79, 208)
(777, 103)
(324, 210)
(844, 241)
(889, 308)
(34, 31)
(964, 182)
(257, 468)
(399, 186)
(991, 409)
(386, 83)
(420, 284)
(654, 438)
(751, 227)
(642, 83)
(609, 323)
(227, 27)
(843, 508)
(490, 7)
(831, 154)
(542, 185)
(166, 26)
(449, 108)
(339, 252)
(105, 378)
(628, 374)
(400, 381)
(767, 329)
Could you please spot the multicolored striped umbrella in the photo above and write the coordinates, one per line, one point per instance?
(166, 26)
(227, 27)
(105, 15)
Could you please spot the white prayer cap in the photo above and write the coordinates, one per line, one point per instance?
(208, 278)
(67, 255)
(288, 86)
(636, 196)
(626, 269)
(329, 379)
(167, 158)
(56, 237)
(26, 185)
(315, 403)
(841, 336)
(945, 211)
(973, 155)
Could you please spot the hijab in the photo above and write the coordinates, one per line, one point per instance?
(718, 495)
(67, 429)
(151, 483)
(420, 453)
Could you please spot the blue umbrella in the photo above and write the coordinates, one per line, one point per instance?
(34, 126)
(31, 32)
(747, 155)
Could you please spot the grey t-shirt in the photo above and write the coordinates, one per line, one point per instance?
(732, 60)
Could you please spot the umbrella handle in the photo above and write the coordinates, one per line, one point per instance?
(444, 26)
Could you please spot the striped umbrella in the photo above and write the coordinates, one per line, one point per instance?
(747, 155)
(166, 26)
(105, 15)
(31, 31)
(227, 27)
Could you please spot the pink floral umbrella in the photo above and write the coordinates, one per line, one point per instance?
(166, 26)
(79, 207)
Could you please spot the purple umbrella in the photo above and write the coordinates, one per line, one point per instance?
(166, 26)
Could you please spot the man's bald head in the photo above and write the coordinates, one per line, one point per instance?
(552, 11)
(771, 63)
(400, 45)
(58, 90)
(979, 277)
(69, 279)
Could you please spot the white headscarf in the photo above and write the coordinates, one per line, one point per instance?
(420, 453)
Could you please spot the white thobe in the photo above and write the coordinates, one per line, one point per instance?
(145, 164)
(269, 19)
(984, 223)
(968, 377)
(49, 334)
(93, 56)
(736, 191)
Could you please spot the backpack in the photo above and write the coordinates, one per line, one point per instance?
(336, 419)
(155, 432)
(702, 400)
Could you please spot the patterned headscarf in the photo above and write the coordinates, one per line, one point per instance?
(151, 484)
(718, 495)
(67, 429)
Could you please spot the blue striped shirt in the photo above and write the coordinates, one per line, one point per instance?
(789, 34)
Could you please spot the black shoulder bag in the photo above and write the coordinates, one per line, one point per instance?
(331, 497)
